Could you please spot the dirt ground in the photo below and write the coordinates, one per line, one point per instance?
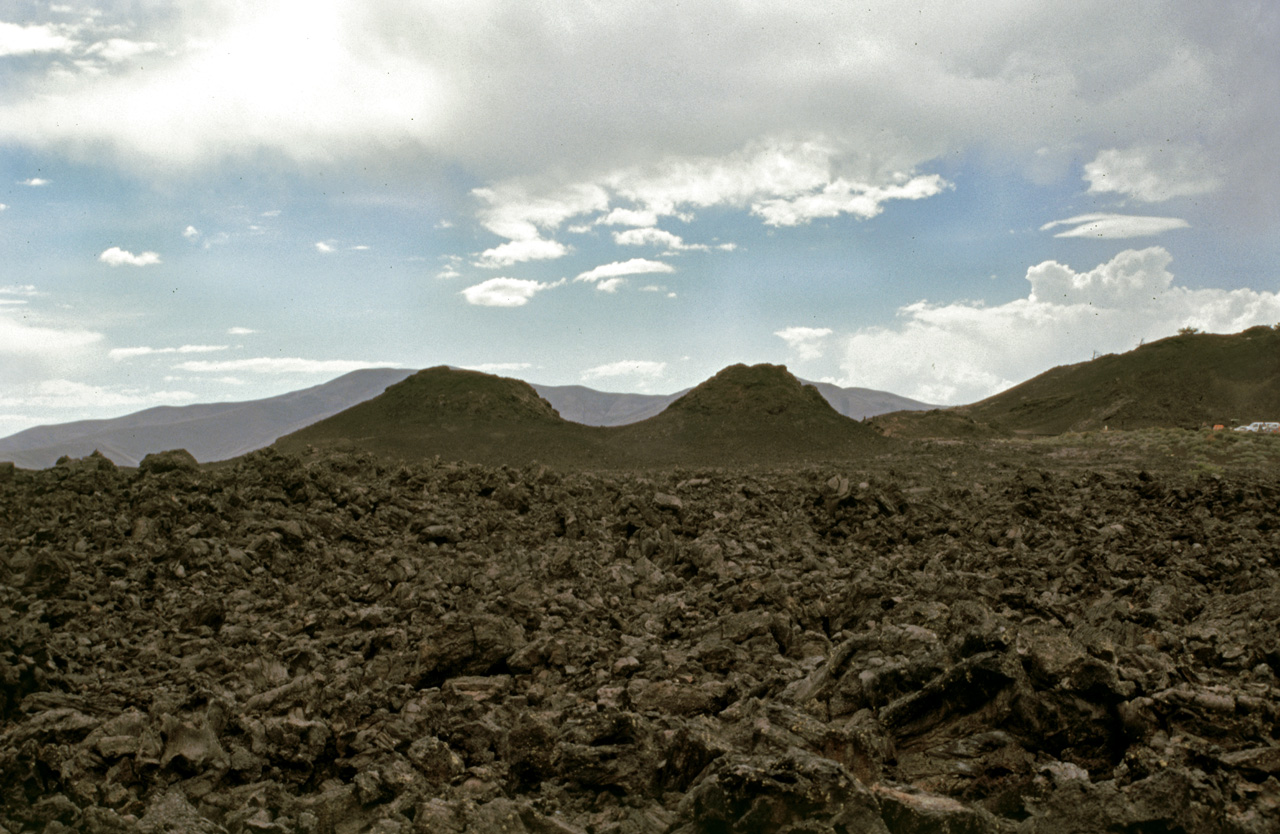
(986, 635)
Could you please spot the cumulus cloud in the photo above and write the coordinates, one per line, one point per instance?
(513, 212)
(191, 233)
(115, 50)
(668, 241)
(638, 369)
(966, 351)
(785, 182)
(629, 217)
(1151, 174)
(617, 269)
(505, 292)
(34, 182)
(240, 331)
(278, 365)
(519, 251)
(115, 256)
(119, 354)
(807, 342)
(324, 248)
(862, 200)
(1115, 226)
(16, 39)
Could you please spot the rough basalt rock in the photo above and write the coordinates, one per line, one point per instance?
(942, 642)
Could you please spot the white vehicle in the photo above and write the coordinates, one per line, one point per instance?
(1261, 428)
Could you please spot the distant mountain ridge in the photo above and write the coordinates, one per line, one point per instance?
(219, 431)
(210, 432)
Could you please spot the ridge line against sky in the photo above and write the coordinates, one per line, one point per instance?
(219, 201)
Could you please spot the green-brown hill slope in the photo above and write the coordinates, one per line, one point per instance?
(456, 414)
(741, 416)
(744, 415)
(1182, 381)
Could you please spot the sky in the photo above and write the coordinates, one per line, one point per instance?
(227, 200)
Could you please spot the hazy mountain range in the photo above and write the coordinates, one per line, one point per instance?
(218, 431)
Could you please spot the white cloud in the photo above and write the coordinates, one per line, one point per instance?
(25, 290)
(34, 182)
(785, 182)
(840, 196)
(668, 241)
(807, 342)
(32, 349)
(629, 217)
(4, 206)
(639, 369)
(323, 248)
(1151, 174)
(115, 50)
(649, 236)
(1115, 226)
(510, 211)
(28, 40)
(132, 352)
(240, 331)
(191, 233)
(635, 266)
(966, 351)
(610, 285)
(19, 339)
(493, 85)
(65, 393)
(505, 292)
(519, 251)
(115, 256)
(278, 365)
(499, 367)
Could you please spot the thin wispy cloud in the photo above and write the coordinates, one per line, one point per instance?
(1115, 226)
(643, 369)
(134, 352)
(61, 394)
(499, 367)
(278, 365)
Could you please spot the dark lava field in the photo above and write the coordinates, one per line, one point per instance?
(952, 637)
